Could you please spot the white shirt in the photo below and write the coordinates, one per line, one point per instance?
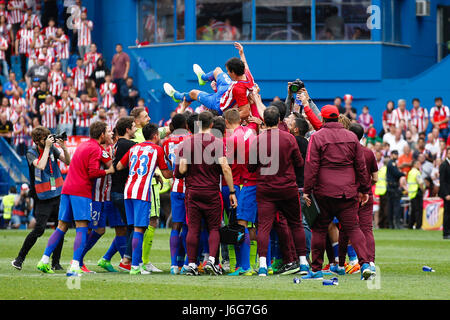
(398, 145)
(388, 137)
(433, 147)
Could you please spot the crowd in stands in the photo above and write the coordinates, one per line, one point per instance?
(40, 87)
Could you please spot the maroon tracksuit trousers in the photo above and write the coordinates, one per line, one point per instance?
(346, 210)
(365, 214)
(267, 212)
(200, 204)
(287, 246)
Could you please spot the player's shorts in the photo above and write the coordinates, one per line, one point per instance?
(155, 203)
(212, 100)
(178, 207)
(98, 216)
(112, 215)
(138, 212)
(247, 209)
(74, 208)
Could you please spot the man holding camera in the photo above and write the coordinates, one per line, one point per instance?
(46, 184)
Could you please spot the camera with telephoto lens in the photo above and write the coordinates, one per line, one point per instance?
(296, 86)
(61, 136)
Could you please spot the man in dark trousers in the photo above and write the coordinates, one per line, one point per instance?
(444, 192)
(202, 160)
(393, 175)
(365, 213)
(275, 154)
(335, 173)
(46, 184)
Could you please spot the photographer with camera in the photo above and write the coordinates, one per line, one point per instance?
(46, 185)
(297, 104)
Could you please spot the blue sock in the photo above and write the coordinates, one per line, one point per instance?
(351, 253)
(111, 251)
(121, 244)
(237, 253)
(269, 256)
(275, 250)
(174, 246)
(53, 241)
(138, 238)
(208, 76)
(182, 254)
(335, 250)
(245, 251)
(80, 243)
(180, 95)
(91, 241)
(129, 250)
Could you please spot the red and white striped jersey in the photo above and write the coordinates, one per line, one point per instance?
(56, 80)
(92, 59)
(49, 115)
(79, 78)
(237, 93)
(439, 114)
(65, 109)
(170, 147)
(16, 13)
(109, 90)
(101, 186)
(50, 58)
(35, 21)
(418, 118)
(3, 43)
(13, 116)
(84, 32)
(84, 119)
(30, 96)
(142, 160)
(38, 45)
(62, 48)
(25, 37)
(49, 32)
(398, 115)
(19, 104)
(21, 134)
(112, 121)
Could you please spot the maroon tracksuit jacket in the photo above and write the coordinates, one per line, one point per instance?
(275, 154)
(203, 196)
(335, 171)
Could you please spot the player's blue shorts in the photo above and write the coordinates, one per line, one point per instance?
(74, 208)
(112, 214)
(98, 216)
(247, 209)
(212, 100)
(178, 207)
(138, 212)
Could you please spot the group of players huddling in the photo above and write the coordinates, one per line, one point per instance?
(205, 191)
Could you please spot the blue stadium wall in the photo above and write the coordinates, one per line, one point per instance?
(372, 71)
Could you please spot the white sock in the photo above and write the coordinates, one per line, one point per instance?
(205, 257)
(193, 265)
(45, 259)
(75, 265)
(212, 260)
(303, 260)
(372, 264)
(262, 262)
(353, 262)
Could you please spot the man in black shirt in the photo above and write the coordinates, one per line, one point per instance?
(126, 128)
(39, 97)
(6, 128)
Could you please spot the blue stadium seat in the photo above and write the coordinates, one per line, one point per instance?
(3, 79)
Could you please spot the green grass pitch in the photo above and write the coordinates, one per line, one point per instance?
(400, 255)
